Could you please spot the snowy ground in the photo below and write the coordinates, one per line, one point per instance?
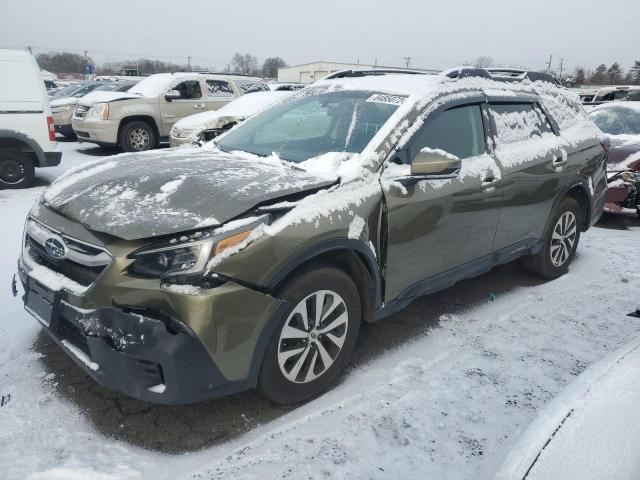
(440, 390)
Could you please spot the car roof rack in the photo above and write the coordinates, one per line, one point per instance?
(352, 73)
(502, 74)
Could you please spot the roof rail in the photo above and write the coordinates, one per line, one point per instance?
(374, 71)
(501, 74)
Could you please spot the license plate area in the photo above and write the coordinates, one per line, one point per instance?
(41, 302)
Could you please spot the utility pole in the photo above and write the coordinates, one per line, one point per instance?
(188, 64)
(561, 64)
(408, 61)
(549, 64)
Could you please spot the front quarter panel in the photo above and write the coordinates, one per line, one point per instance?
(340, 215)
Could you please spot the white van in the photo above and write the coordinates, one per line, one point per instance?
(27, 137)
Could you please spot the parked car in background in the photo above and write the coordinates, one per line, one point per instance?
(27, 139)
(143, 117)
(205, 126)
(181, 275)
(618, 92)
(591, 431)
(62, 108)
(68, 90)
(620, 121)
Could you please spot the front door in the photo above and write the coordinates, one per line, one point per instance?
(441, 228)
(191, 101)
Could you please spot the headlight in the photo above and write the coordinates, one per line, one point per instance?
(100, 111)
(191, 258)
(188, 259)
(64, 108)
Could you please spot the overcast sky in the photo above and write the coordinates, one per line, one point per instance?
(436, 34)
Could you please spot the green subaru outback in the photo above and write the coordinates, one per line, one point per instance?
(180, 275)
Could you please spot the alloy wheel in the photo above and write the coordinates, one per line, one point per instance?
(312, 337)
(563, 238)
(139, 139)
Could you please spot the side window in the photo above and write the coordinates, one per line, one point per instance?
(634, 95)
(458, 131)
(516, 122)
(219, 88)
(251, 85)
(189, 90)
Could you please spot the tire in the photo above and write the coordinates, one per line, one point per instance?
(137, 136)
(293, 369)
(560, 242)
(16, 169)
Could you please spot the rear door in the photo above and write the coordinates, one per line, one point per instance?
(534, 167)
(219, 93)
(191, 101)
(441, 229)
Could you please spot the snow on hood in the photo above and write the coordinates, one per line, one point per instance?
(133, 196)
(242, 107)
(99, 96)
(64, 101)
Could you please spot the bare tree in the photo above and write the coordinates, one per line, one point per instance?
(483, 62)
(271, 65)
(247, 63)
(63, 62)
(580, 76)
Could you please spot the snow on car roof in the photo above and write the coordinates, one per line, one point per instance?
(630, 105)
(160, 82)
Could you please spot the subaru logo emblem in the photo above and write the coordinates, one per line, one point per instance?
(56, 247)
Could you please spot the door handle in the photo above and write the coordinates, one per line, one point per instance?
(559, 162)
(489, 183)
(198, 105)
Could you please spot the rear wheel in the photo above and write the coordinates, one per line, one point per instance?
(560, 242)
(316, 337)
(16, 169)
(137, 136)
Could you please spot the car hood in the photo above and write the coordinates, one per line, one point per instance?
(62, 102)
(154, 193)
(100, 96)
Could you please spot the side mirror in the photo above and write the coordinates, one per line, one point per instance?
(172, 95)
(434, 162)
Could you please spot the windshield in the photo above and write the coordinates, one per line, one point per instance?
(67, 91)
(313, 123)
(617, 121)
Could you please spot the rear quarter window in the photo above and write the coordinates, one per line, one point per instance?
(516, 122)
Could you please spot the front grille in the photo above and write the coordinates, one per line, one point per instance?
(82, 263)
(80, 112)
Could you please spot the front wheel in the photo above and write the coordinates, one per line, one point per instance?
(560, 242)
(316, 337)
(137, 136)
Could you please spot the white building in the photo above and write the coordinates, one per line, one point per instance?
(314, 71)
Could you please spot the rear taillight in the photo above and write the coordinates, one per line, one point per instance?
(52, 132)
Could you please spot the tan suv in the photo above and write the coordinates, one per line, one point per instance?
(141, 118)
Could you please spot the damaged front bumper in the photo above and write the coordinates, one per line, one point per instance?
(153, 356)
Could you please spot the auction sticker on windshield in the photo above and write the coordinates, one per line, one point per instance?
(388, 99)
